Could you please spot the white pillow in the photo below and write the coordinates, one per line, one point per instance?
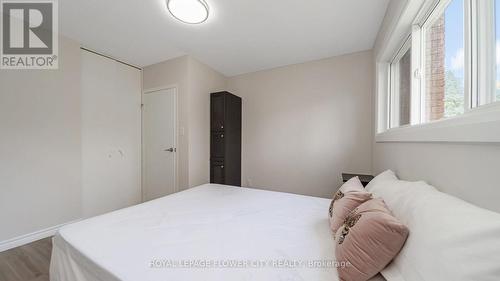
(449, 239)
(385, 176)
(353, 184)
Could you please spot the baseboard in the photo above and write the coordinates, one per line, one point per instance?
(31, 237)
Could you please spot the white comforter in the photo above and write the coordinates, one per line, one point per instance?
(210, 232)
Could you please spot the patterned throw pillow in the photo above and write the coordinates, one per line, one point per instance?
(368, 240)
(347, 198)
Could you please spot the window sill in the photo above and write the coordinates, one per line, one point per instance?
(480, 125)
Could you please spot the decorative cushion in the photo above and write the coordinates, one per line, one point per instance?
(349, 196)
(450, 238)
(368, 240)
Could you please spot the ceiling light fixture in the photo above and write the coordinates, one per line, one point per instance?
(188, 11)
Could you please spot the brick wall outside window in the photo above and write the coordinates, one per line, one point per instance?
(435, 71)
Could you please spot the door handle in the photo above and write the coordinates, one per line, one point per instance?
(170, 149)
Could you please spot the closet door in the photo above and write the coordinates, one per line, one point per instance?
(111, 134)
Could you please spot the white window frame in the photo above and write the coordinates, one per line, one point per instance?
(394, 94)
(484, 52)
(481, 120)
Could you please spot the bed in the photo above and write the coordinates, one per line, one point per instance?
(210, 232)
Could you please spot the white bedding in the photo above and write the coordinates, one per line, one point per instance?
(210, 223)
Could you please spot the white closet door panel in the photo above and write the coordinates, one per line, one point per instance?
(111, 135)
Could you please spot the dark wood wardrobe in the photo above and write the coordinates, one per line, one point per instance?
(225, 138)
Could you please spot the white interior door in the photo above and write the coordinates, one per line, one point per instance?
(159, 143)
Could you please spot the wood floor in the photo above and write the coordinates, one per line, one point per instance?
(27, 263)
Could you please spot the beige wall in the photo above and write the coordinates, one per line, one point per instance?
(194, 81)
(305, 124)
(468, 171)
(202, 81)
(40, 159)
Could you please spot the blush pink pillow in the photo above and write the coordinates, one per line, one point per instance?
(347, 198)
(368, 240)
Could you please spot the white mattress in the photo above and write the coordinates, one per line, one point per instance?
(219, 225)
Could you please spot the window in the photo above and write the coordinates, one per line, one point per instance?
(441, 53)
(443, 82)
(401, 87)
(444, 62)
(449, 66)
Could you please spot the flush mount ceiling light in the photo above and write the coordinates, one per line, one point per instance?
(188, 11)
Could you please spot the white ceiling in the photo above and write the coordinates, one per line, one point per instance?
(240, 36)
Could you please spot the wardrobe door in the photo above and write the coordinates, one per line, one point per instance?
(217, 112)
(217, 142)
(217, 174)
